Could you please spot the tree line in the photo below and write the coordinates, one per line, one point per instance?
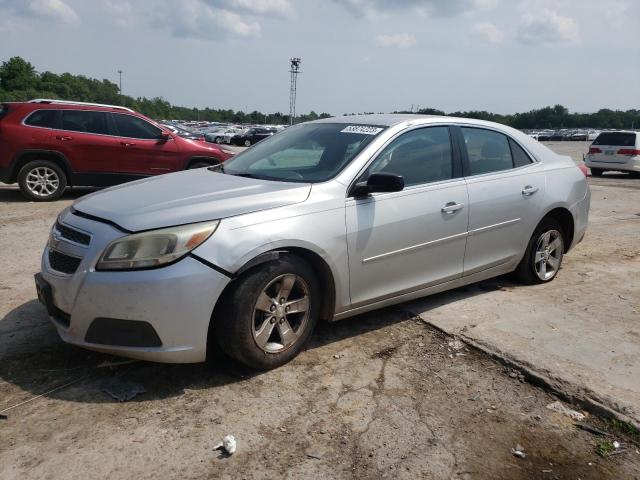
(19, 81)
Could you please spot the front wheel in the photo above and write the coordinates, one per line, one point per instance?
(218, 140)
(269, 315)
(543, 257)
(42, 181)
(247, 143)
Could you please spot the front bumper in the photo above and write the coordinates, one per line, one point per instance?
(177, 301)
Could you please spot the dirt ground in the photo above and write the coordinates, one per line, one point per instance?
(377, 396)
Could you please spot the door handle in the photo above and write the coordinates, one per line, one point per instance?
(529, 190)
(63, 138)
(127, 144)
(451, 208)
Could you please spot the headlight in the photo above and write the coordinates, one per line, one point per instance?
(154, 248)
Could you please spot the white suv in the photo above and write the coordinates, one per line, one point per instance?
(619, 151)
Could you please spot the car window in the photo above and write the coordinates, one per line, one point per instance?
(85, 121)
(520, 157)
(617, 139)
(311, 152)
(42, 118)
(488, 151)
(420, 156)
(134, 127)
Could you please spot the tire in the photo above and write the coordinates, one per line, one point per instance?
(200, 164)
(596, 172)
(531, 272)
(248, 328)
(247, 143)
(42, 181)
(218, 140)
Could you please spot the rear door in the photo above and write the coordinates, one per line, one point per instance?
(506, 195)
(614, 147)
(86, 140)
(42, 122)
(142, 150)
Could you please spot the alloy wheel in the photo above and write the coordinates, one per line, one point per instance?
(42, 181)
(548, 254)
(281, 313)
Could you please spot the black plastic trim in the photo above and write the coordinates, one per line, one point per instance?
(211, 265)
(88, 216)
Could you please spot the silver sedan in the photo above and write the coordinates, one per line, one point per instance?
(323, 221)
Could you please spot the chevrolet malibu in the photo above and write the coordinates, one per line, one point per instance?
(323, 221)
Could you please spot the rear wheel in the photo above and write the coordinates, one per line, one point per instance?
(543, 257)
(218, 140)
(596, 172)
(42, 181)
(268, 317)
(247, 143)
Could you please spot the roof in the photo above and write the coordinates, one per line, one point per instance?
(384, 119)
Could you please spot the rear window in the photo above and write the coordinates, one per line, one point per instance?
(42, 118)
(616, 138)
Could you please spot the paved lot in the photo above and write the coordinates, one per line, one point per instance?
(380, 395)
(580, 332)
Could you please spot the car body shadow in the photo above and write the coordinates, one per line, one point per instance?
(33, 358)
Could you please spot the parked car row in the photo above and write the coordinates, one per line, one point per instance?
(47, 145)
(563, 135)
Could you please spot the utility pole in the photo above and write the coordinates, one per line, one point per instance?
(294, 71)
(120, 82)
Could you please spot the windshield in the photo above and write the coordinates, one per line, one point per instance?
(313, 152)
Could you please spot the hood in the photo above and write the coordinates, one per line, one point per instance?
(187, 197)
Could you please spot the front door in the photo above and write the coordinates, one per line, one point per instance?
(403, 241)
(143, 152)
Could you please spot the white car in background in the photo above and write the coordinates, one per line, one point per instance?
(220, 135)
(617, 151)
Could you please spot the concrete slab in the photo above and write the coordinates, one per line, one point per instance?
(582, 331)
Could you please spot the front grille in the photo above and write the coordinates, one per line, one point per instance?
(63, 263)
(73, 234)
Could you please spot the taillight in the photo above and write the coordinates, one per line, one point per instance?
(628, 151)
(583, 168)
(595, 150)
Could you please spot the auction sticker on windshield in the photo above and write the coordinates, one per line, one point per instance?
(361, 129)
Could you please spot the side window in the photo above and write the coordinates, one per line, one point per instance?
(520, 157)
(42, 118)
(488, 151)
(85, 121)
(134, 127)
(420, 156)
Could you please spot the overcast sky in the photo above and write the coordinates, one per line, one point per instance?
(357, 55)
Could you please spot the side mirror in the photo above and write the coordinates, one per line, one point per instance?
(164, 136)
(379, 182)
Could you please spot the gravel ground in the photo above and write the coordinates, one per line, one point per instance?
(376, 396)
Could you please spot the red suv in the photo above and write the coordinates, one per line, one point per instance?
(47, 145)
